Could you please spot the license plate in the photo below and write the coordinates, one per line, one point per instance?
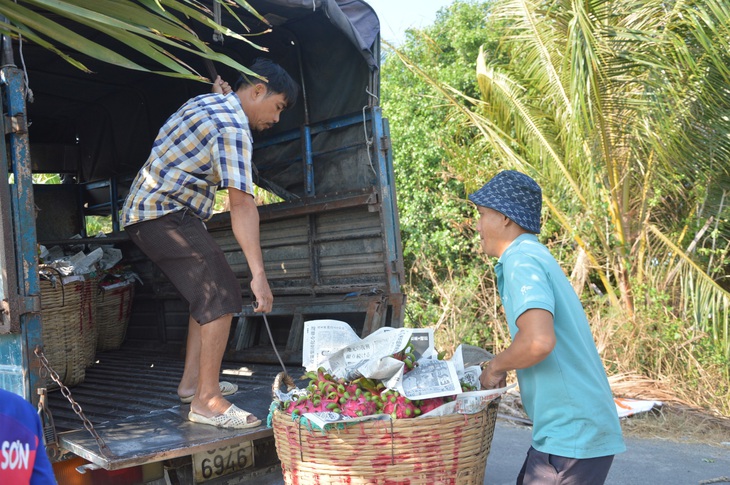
(222, 461)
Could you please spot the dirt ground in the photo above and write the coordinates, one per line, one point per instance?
(671, 422)
(679, 423)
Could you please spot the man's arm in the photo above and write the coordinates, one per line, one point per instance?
(245, 224)
(532, 344)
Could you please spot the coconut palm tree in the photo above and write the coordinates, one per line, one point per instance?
(156, 28)
(621, 110)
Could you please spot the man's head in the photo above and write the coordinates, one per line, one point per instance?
(509, 204)
(263, 101)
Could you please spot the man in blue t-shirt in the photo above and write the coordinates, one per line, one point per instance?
(23, 458)
(562, 381)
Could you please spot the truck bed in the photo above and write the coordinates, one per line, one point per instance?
(130, 398)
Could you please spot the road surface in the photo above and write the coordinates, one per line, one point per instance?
(646, 461)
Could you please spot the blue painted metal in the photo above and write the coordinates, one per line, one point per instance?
(383, 155)
(20, 366)
(315, 128)
(11, 364)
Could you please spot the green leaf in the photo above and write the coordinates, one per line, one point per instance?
(62, 35)
(30, 35)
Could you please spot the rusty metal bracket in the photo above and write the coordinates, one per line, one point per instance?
(385, 144)
(50, 435)
(5, 321)
(17, 124)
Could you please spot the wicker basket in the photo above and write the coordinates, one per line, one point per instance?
(88, 326)
(113, 308)
(61, 325)
(444, 450)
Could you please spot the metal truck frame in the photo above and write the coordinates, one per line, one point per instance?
(330, 237)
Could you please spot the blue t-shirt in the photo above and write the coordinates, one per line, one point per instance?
(567, 395)
(23, 458)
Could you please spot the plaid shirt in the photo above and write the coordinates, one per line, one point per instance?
(206, 144)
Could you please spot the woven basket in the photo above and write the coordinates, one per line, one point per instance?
(113, 308)
(61, 324)
(447, 450)
(87, 326)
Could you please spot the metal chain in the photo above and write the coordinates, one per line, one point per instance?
(74, 405)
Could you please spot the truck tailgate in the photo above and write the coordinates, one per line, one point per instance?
(130, 398)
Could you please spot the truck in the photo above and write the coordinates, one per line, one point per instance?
(329, 224)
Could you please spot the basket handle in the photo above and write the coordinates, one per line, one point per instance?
(44, 271)
(282, 377)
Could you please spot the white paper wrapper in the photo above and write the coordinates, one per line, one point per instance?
(468, 402)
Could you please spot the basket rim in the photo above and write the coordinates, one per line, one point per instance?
(280, 415)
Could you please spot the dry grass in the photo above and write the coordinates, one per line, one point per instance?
(646, 367)
(678, 423)
(669, 422)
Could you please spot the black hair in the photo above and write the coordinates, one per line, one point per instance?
(279, 81)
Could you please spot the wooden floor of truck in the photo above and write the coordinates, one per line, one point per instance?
(130, 397)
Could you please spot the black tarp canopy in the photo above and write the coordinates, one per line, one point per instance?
(101, 125)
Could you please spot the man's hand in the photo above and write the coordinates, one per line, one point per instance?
(245, 224)
(492, 379)
(220, 86)
(262, 293)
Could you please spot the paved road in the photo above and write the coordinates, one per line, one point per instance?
(646, 462)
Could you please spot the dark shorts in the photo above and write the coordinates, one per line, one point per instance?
(180, 245)
(545, 469)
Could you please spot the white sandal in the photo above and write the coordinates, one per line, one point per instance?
(233, 418)
(227, 388)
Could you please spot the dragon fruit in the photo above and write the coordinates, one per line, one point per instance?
(399, 406)
(325, 405)
(359, 406)
(431, 404)
(300, 407)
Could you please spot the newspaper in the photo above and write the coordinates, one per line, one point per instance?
(323, 338)
(336, 347)
(468, 402)
(321, 420)
(432, 378)
(422, 341)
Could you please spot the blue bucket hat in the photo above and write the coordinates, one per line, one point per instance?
(515, 195)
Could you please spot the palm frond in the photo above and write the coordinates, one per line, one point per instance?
(706, 302)
(154, 28)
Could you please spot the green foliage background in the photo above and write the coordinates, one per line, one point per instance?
(434, 213)
(648, 321)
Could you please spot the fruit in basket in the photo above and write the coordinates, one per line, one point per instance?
(398, 406)
(407, 357)
(426, 405)
(359, 406)
(363, 396)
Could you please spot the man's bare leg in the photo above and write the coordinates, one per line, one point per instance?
(189, 381)
(208, 400)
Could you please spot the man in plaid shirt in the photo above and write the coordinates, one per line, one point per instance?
(207, 144)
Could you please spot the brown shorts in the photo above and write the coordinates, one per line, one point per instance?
(545, 469)
(180, 245)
